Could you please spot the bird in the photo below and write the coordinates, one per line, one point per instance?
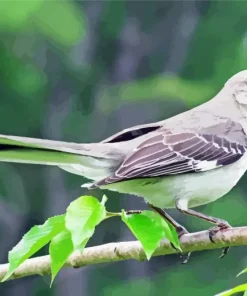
(182, 162)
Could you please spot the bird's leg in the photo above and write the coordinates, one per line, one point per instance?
(219, 224)
(179, 228)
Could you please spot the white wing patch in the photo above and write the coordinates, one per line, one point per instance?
(206, 165)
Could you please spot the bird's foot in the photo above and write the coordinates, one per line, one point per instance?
(221, 226)
(181, 231)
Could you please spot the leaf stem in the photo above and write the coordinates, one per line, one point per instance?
(111, 214)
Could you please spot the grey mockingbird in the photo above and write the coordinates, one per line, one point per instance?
(185, 161)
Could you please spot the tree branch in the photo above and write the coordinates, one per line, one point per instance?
(114, 252)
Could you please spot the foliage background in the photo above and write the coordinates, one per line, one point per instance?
(83, 70)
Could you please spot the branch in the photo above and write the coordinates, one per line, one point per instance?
(114, 252)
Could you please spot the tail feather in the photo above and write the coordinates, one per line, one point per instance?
(38, 151)
(105, 150)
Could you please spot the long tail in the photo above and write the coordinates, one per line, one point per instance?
(73, 157)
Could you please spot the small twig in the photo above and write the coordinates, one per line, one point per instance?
(133, 212)
(116, 214)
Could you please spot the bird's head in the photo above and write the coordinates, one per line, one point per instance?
(237, 85)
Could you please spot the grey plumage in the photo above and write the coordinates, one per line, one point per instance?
(169, 163)
(165, 153)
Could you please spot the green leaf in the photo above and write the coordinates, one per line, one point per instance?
(237, 289)
(60, 248)
(149, 228)
(243, 271)
(34, 240)
(171, 233)
(82, 216)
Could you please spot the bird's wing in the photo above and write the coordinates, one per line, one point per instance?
(167, 153)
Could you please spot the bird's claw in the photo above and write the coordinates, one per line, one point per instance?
(224, 251)
(185, 257)
(219, 227)
(181, 231)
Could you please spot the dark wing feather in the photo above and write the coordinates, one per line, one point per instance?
(168, 154)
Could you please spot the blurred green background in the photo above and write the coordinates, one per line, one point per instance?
(83, 70)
